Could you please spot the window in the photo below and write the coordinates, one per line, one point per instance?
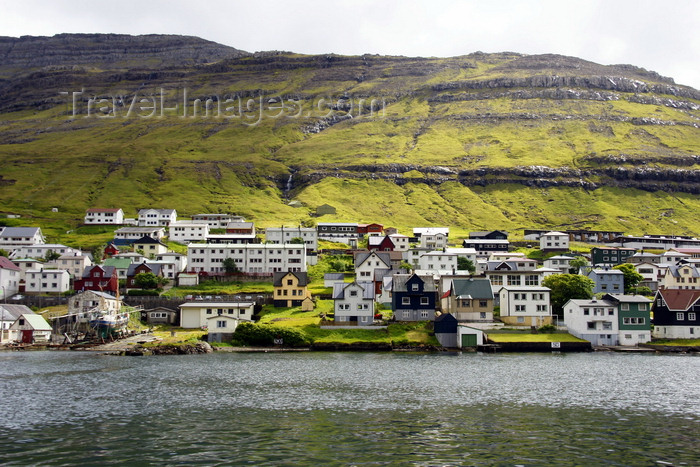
(586, 311)
(497, 280)
(406, 314)
(611, 311)
(221, 324)
(532, 280)
(353, 293)
(642, 307)
(624, 306)
(542, 308)
(520, 308)
(691, 316)
(424, 300)
(289, 281)
(680, 316)
(414, 287)
(591, 325)
(424, 314)
(483, 303)
(405, 300)
(607, 325)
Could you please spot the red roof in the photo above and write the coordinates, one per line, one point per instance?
(680, 299)
(7, 264)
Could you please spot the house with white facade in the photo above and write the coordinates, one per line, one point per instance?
(47, 281)
(12, 238)
(156, 217)
(216, 221)
(652, 274)
(104, 217)
(75, 264)
(366, 263)
(354, 303)
(280, 235)
(433, 240)
(178, 260)
(438, 263)
(593, 320)
(30, 329)
(8, 315)
(135, 233)
(215, 316)
(9, 278)
(249, 258)
(185, 232)
(40, 251)
(525, 306)
(554, 241)
(401, 242)
(559, 262)
(26, 264)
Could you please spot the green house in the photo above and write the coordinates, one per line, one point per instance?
(634, 315)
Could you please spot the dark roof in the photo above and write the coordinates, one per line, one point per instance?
(679, 299)
(400, 281)
(146, 240)
(302, 277)
(7, 264)
(339, 289)
(19, 231)
(15, 311)
(362, 256)
(154, 267)
(108, 270)
(472, 288)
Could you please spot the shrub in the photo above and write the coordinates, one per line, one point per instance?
(547, 329)
(265, 334)
(140, 292)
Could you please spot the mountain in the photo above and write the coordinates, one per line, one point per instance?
(480, 141)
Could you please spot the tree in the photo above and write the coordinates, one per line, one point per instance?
(631, 277)
(297, 241)
(565, 287)
(4, 253)
(98, 254)
(465, 264)
(146, 280)
(576, 264)
(230, 266)
(52, 255)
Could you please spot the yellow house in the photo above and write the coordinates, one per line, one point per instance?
(290, 288)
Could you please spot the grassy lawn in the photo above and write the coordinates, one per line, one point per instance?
(221, 288)
(173, 335)
(676, 342)
(528, 337)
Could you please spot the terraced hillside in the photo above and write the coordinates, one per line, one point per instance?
(479, 141)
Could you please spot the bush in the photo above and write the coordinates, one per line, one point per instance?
(547, 329)
(265, 334)
(140, 293)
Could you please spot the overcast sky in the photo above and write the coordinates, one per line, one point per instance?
(663, 36)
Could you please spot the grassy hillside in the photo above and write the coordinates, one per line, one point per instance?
(475, 142)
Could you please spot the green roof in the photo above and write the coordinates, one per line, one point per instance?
(119, 263)
(474, 288)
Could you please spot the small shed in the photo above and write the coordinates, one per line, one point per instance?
(446, 330)
(31, 328)
(307, 304)
(160, 315)
(186, 278)
(325, 209)
(469, 337)
(221, 328)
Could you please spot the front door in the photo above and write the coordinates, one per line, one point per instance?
(27, 336)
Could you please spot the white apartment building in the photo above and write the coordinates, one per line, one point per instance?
(249, 258)
(136, 233)
(554, 241)
(75, 264)
(47, 281)
(216, 221)
(104, 216)
(185, 232)
(156, 217)
(281, 235)
(437, 262)
(40, 251)
(15, 237)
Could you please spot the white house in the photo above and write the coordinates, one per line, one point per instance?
(433, 240)
(156, 217)
(558, 262)
(198, 314)
(104, 217)
(26, 264)
(47, 281)
(215, 221)
(179, 260)
(14, 237)
(30, 329)
(400, 242)
(354, 303)
(9, 278)
(40, 250)
(75, 263)
(135, 233)
(438, 263)
(367, 263)
(554, 241)
(249, 258)
(593, 320)
(8, 315)
(525, 306)
(467, 253)
(280, 235)
(185, 232)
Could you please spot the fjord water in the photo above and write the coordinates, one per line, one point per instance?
(68, 408)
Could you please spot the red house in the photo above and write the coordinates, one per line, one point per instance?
(370, 229)
(98, 278)
(380, 244)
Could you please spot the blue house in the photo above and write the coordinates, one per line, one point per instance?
(607, 281)
(413, 297)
